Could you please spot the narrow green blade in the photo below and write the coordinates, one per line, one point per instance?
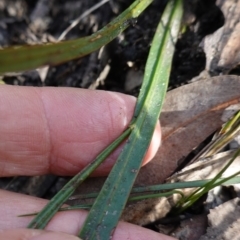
(108, 207)
(43, 217)
(29, 57)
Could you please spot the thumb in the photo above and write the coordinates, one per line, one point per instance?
(33, 234)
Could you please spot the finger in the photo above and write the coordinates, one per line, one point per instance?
(60, 130)
(29, 234)
(69, 222)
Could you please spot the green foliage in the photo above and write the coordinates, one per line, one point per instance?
(28, 57)
(107, 209)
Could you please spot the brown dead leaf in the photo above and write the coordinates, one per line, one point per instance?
(223, 46)
(224, 221)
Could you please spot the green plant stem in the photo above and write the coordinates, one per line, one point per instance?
(43, 217)
(208, 186)
(231, 123)
(165, 186)
(135, 198)
(194, 198)
(155, 188)
(226, 134)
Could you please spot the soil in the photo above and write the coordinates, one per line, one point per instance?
(40, 21)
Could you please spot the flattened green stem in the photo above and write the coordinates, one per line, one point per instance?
(166, 186)
(208, 186)
(230, 124)
(29, 57)
(42, 219)
(227, 133)
(229, 130)
(155, 188)
(108, 207)
(136, 198)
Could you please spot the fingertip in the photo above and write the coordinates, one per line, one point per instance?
(154, 145)
(106, 166)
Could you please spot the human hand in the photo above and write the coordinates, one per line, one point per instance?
(59, 131)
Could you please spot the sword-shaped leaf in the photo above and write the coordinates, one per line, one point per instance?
(29, 57)
(108, 207)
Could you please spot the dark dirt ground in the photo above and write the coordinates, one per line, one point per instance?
(30, 22)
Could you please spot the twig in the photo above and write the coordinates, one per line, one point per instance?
(43, 72)
(76, 21)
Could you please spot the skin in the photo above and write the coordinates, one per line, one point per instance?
(59, 131)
